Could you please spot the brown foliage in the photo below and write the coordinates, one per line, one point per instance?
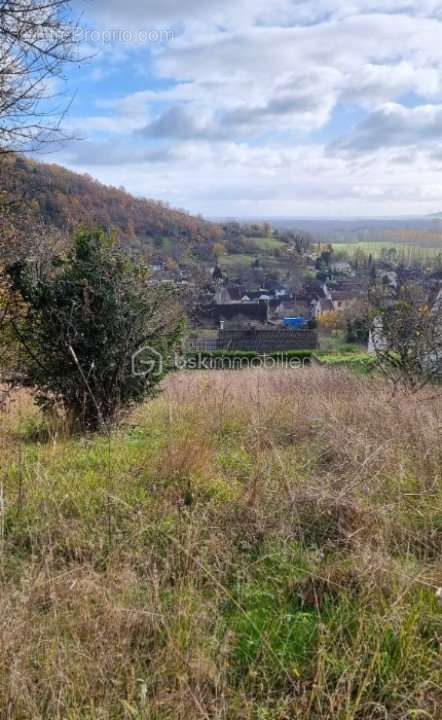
(62, 199)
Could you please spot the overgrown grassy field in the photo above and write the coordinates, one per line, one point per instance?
(260, 545)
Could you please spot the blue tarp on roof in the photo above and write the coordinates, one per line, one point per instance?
(294, 322)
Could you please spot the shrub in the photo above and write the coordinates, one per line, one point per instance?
(85, 316)
(360, 362)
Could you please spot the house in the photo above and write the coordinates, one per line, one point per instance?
(321, 306)
(341, 268)
(342, 299)
(236, 292)
(267, 340)
(235, 314)
(311, 302)
(274, 288)
(357, 286)
(295, 308)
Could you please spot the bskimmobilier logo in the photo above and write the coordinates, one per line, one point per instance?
(147, 362)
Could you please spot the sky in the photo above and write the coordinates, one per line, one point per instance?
(262, 108)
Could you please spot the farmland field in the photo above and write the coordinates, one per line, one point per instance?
(234, 261)
(268, 244)
(406, 249)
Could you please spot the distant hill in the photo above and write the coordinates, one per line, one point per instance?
(63, 199)
(174, 242)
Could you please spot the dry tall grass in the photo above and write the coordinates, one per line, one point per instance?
(251, 545)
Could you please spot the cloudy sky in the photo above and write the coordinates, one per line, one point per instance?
(263, 107)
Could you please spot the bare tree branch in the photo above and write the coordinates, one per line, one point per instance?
(37, 39)
(407, 337)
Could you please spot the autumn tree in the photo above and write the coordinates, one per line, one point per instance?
(219, 249)
(331, 321)
(10, 306)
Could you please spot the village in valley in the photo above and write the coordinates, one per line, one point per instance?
(305, 295)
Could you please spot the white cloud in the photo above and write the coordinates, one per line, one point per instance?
(244, 86)
(358, 60)
(393, 126)
(231, 13)
(235, 179)
(377, 83)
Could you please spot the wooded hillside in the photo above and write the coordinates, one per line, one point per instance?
(64, 199)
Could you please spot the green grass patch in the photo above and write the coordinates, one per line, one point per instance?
(361, 362)
(268, 244)
(229, 262)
